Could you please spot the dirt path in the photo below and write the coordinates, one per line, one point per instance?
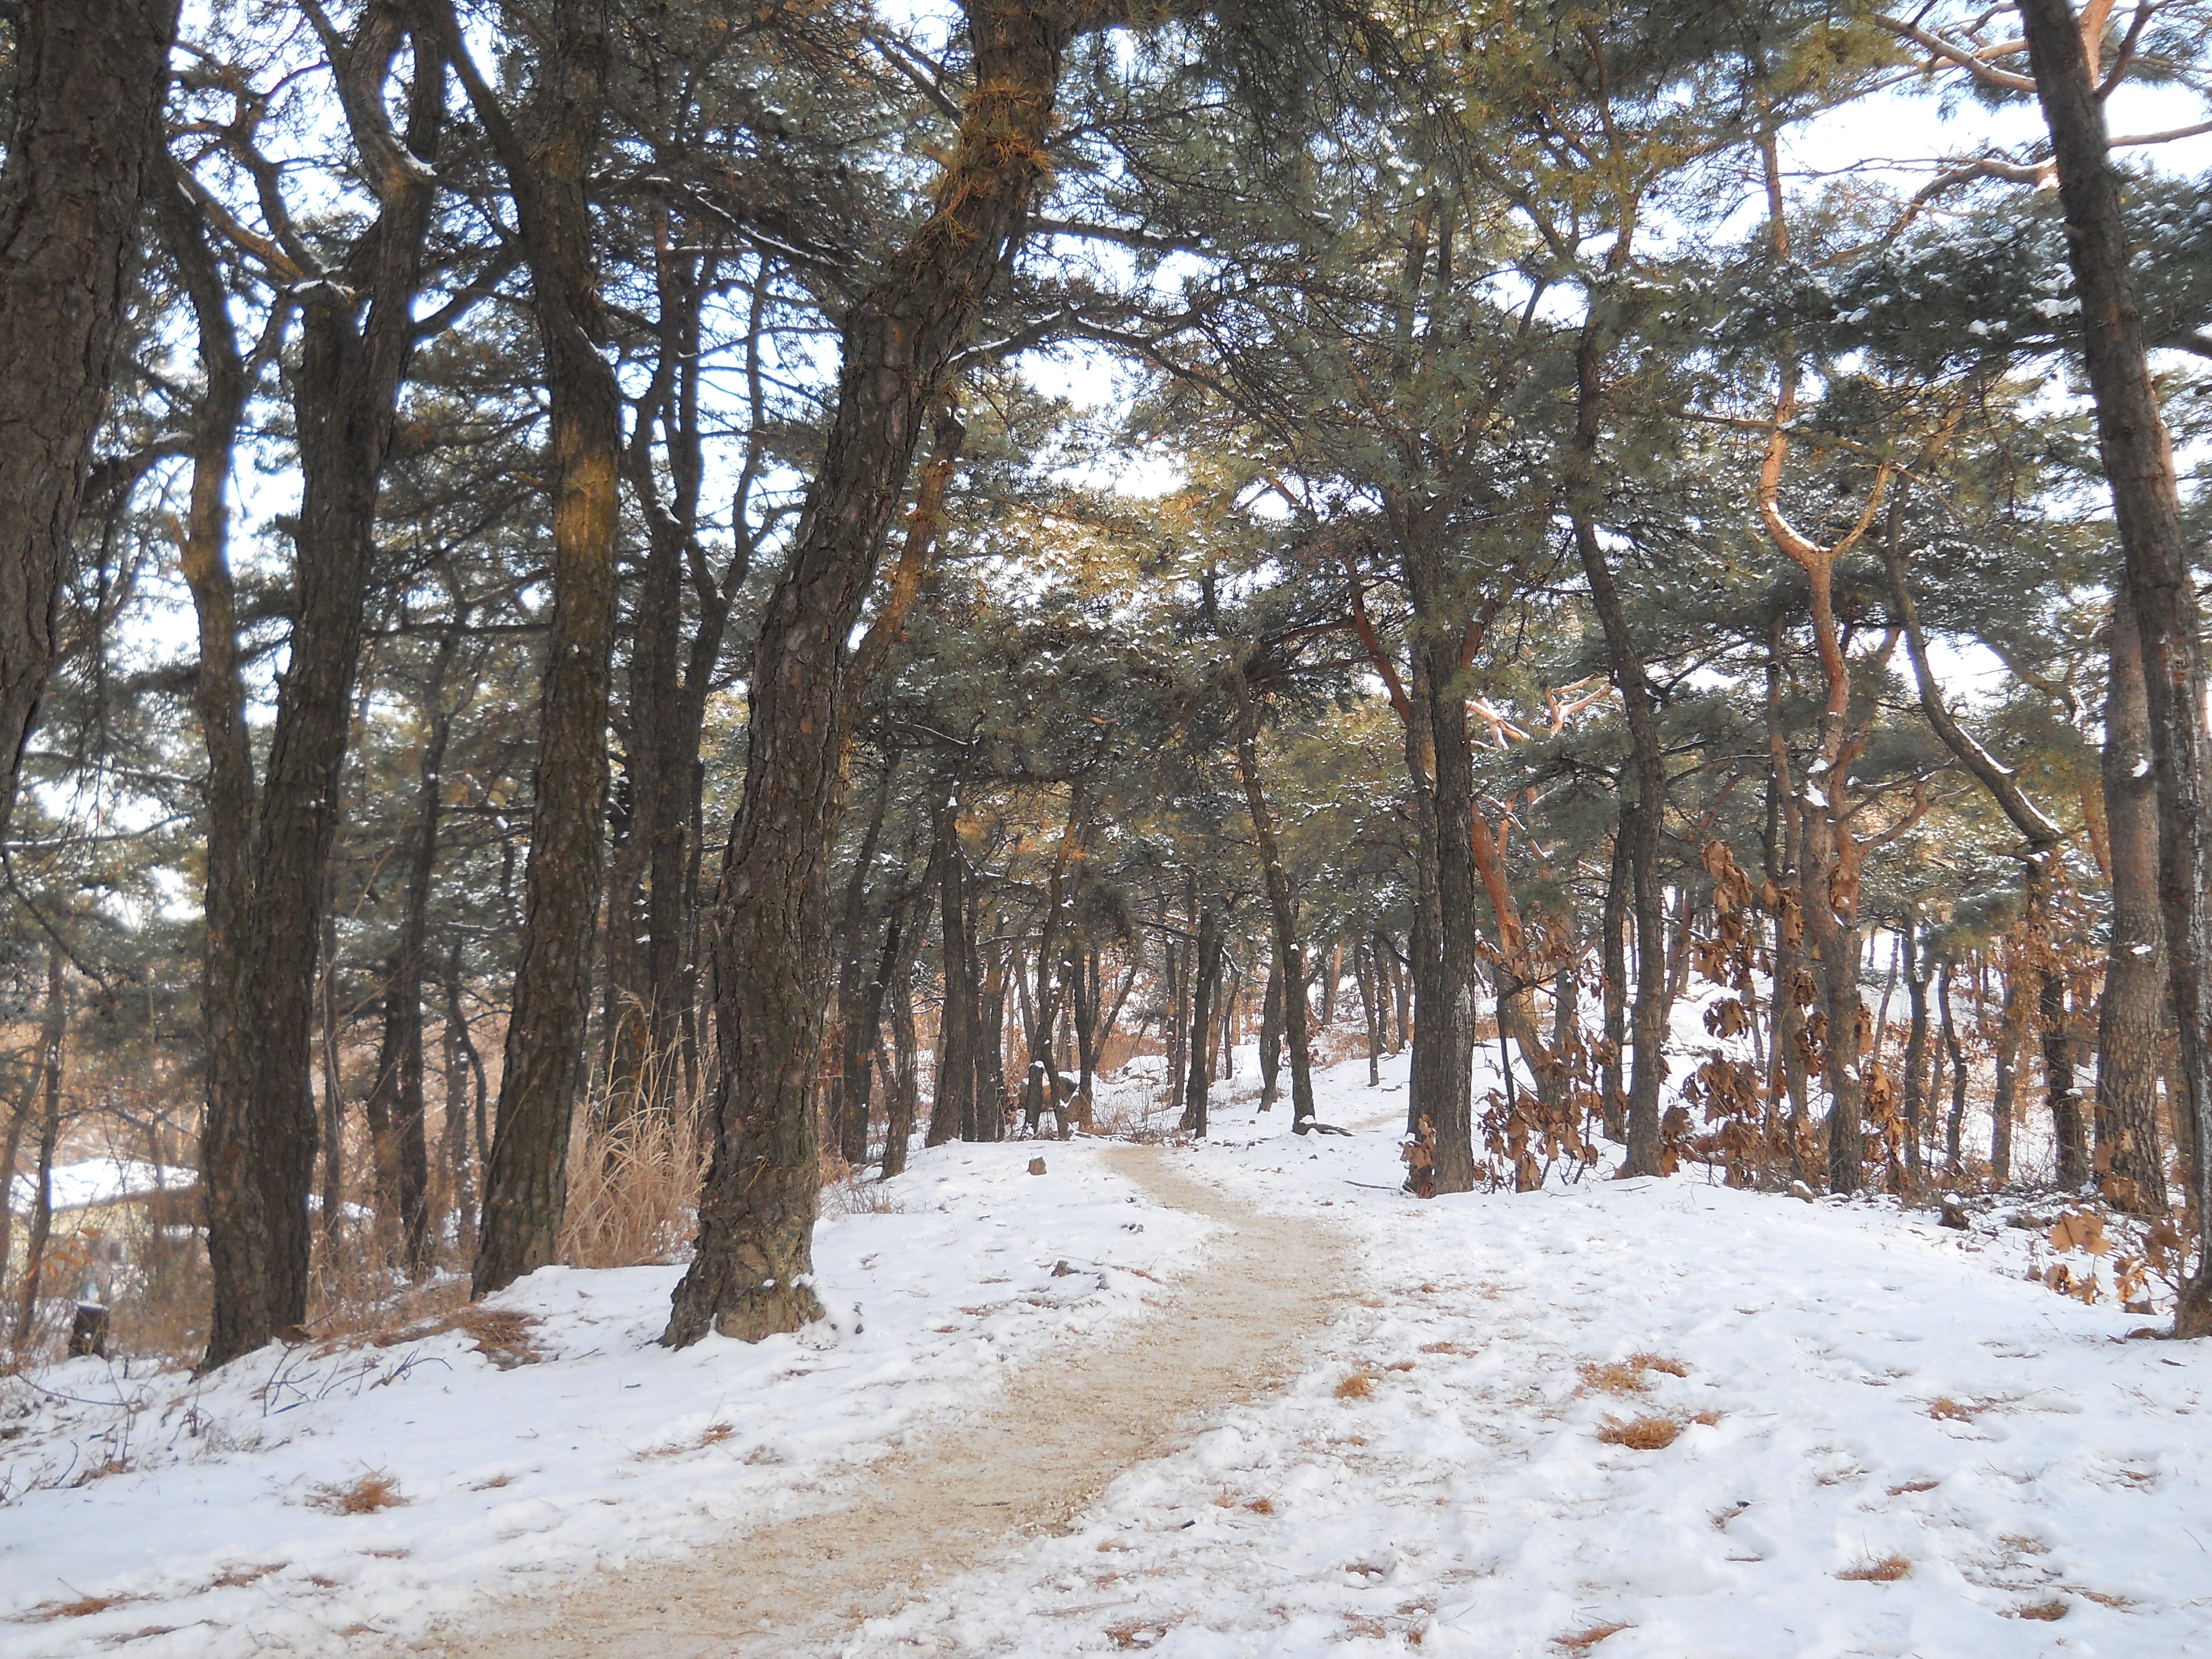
(1062, 1429)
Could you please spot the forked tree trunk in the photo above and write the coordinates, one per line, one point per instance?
(751, 1273)
(87, 85)
(269, 859)
(2138, 462)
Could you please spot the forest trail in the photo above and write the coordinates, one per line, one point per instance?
(1050, 1441)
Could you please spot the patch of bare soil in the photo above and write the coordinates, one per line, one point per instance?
(1050, 1441)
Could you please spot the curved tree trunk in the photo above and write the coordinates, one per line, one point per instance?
(750, 1275)
(2138, 458)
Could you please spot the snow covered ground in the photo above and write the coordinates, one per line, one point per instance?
(231, 1516)
(1631, 1418)
(1883, 1441)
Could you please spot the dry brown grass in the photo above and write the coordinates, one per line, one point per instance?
(1583, 1640)
(1640, 1433)
(1446, 1347)
(1629, 1375)
(373, 1489)
(631, 1188)
(505, 1337)
(1357, 1386)
(1887, 1570)
(2057, 1608)
(83, 1607)
(1914, 1485)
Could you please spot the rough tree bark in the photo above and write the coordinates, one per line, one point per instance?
(526, 1188)
(750, 1275)
(2138, 458)
(88, 80)
(953, 1113)
(269, 856)
(1205, 976)
(2130, 1026)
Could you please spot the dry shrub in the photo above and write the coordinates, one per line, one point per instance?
(1357, 1386)
(1887, 1570)
(1627, 1376)
(632, 1188)
(1640, 1434)
(375, 1490)
(1583, 1640)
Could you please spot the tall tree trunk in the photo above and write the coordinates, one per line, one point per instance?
(1289, 969)
(1369, 974)
(526, 1189)
(849, 1089)
(1041, 1086)
(1613, 1101)
(990, 1048)
(953, 1113)
(2138, 460)
(267, 877)
(1205, 957)
(87, 86)
(2007, 1060)
(750, 1275)
(1271, 1034)
(906, 1071)
(646, 984)
(51, 1029)
(864, 1027)
(1641, 822)
(459, 1057)
(399, 1085)
(1083, 1013)
(1916, 1042)
(1954, 1124)
(1443, 1046)
(2130, 1026)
